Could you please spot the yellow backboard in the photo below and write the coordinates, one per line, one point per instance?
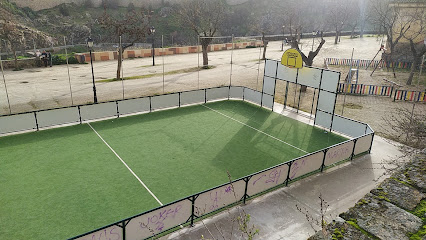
(292, 59)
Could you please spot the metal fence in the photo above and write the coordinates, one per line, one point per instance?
(388, 91)
(414, 96)
(189, 209)
(365, 63)
(365, 89)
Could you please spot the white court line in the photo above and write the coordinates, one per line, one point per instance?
(125, 164)
(255, 129)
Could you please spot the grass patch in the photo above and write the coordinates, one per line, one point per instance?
(186, 70)
(355, 225)
(353, 106)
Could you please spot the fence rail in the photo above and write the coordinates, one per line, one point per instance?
(364, 89)
(365, 63)
(388, 91)
(406, 95)
(189, 209)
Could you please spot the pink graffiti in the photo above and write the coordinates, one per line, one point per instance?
(217, 195)
(156, 221)
(338, 153)
(112, 234)
(295, 167)
(273, 177)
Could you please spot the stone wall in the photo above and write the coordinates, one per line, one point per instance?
(140, 53)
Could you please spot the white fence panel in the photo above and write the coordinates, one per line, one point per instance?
(110, 233)
(363, 144)
(326, 101)
(58, 117)
(252, 96)
(192, 97)
(236, 92)
(266, 180)
(267, 101)
(323, 119)
(309, 77)
(133, 106)
(165, 101)
(217, 93)
(286, 73)
(15, 123)
(271, 68)
(219, 197)
(98, 111)
(369, 130)
(348, 126)
(306, 165)
(269, 85)
(159, 220)
(330, 80)
(339, 153)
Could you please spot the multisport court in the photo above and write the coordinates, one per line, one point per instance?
(61, 182)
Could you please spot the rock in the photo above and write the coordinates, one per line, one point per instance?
(340, 230)
(383, 219)
(398, 193)
(416, 172)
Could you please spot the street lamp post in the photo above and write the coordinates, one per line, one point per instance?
(314, 33)
(152, 29)
(282, 43)
(90, 46)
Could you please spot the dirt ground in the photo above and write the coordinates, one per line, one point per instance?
(43, 88)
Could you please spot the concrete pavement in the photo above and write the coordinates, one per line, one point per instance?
(275, 214)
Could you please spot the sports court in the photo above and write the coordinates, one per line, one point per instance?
(59, 183)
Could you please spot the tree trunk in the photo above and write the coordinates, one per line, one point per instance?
(205, 42)
(413, 69)
(337, 37)
(353, 32)
(205, 55)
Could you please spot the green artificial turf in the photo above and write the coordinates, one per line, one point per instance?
(63, 182)
(59, 183)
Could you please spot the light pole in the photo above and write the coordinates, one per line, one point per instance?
(90, 46)
(152, 29)
(314, 33)
(282, 43)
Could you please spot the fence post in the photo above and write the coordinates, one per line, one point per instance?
(193, 209)
(124, 224)
(150, 104)
(323, 160)
(79, 114)
(371, 145)
(36, 121)
(353, 150)
(118, 112)
(288, 173)
(247, 179)
(205, 95)
(179, 99)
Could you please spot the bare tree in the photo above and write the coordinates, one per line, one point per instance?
(204, 17)
(308, 60)
(133, 26)
(354, 16)
(338, 16)
(388, 17)
(414, 35)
